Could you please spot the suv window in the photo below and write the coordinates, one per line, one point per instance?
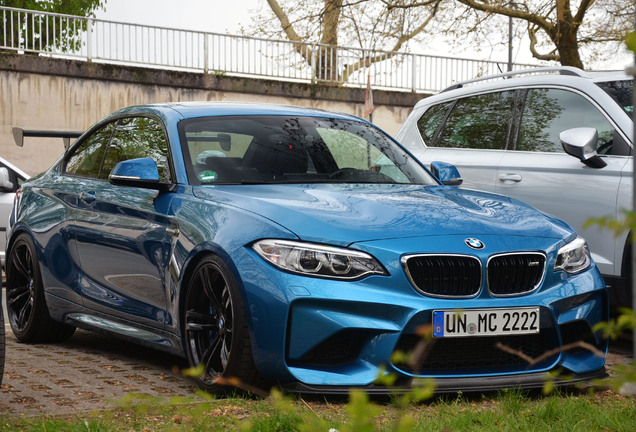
(480, 122)
(622, 92)
(548, 112)
(430, 121)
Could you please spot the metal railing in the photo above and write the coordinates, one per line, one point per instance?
(141, 45)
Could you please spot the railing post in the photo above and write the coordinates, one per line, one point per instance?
(314, 78)
(206, 57)
(89, 40)
(413, 73)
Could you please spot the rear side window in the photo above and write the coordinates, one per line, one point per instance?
(431, 120)
(548, 112)
(479, 122)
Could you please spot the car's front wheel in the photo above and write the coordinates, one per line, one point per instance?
(27, 311)
(216, 331)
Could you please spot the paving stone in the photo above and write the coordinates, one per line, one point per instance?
(87, 372)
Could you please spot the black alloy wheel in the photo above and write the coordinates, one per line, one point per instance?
(216, 332)
(27, 311)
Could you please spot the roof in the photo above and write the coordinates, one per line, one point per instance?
(205, 109)
(544, 77)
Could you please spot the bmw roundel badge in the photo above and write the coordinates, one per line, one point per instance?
(474, 243)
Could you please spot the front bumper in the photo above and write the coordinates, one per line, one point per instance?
(310, 333)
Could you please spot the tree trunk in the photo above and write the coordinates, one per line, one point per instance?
(327, 67)
(566, 36)
(568, 48)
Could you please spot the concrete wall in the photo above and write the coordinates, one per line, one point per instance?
(42, 93)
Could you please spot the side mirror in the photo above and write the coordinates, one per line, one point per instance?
(447, 173)
(141, 173)
(6, 185)
(582, 143)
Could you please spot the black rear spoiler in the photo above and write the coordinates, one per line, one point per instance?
(19, 134)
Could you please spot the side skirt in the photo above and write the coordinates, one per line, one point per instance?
(87, 319)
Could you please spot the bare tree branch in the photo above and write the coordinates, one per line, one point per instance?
(368, 61)
(551, 56)
(533, 361)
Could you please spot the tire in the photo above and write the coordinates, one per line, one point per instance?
(2, 341)
(216, 332)
(27, 311)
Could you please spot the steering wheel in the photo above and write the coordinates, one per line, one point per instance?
(344, 173)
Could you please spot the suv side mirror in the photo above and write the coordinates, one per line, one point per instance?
(447, 173)
(6, 185)
(582, 143)
(140, 172)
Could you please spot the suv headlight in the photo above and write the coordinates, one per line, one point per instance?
(574, 257)
(318, 260)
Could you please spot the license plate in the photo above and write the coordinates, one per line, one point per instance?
(485, 322)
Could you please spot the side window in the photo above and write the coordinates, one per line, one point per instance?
(480, 122)
(86, 159)
(138, 137)
(430, 121)
(548, 112)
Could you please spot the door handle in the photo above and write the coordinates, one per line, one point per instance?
(88, 197)
(510, 178)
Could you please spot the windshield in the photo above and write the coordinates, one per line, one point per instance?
(279, 149)
(622, 92)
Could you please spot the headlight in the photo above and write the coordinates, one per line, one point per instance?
(318, 260)
(574, 257)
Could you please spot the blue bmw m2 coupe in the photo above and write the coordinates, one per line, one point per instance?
(298, 248)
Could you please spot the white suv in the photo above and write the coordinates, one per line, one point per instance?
(559, 139)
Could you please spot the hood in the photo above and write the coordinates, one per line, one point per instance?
(344, 214)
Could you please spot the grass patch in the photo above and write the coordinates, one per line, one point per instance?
(507, 410)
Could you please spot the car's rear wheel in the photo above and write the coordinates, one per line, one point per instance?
(27, 311)
(216, 331)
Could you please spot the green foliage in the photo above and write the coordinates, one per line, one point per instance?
(194, 372)
(617, 326)
(46, 33)
(618, 226)
(630, 41)
(84, 8)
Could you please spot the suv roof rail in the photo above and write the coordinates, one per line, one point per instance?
(563, 70)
